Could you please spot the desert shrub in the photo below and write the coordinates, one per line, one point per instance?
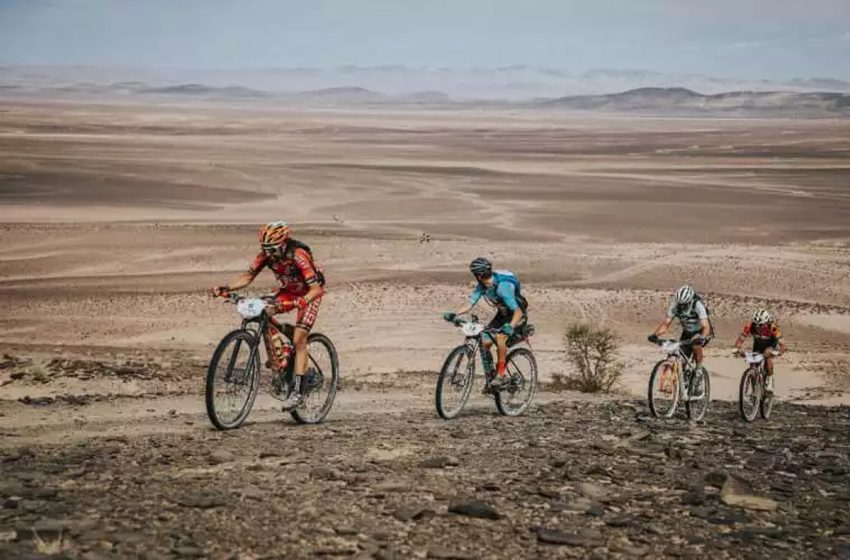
(593, 353)
(39, 371)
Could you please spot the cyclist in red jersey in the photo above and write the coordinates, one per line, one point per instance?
(301, 286)
(767, 340)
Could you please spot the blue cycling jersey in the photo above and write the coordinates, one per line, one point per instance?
(502, 293)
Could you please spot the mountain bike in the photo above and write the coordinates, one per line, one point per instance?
(752, 396)
(233, 375)
(678, 378)
(454, 384)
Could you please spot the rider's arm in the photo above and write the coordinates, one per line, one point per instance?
(464, 310)
(778, 335)
(663, 327)
(474, 297)
(515, 320)
(241, 281)
(702, 313)
(245, 279)
(743, 336)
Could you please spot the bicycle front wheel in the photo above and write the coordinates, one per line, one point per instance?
(515, 399)
(319, 385)
(749, 395)
(233, 380)
(699, 394)
(454, 385)
(766, 406)
(663, 392)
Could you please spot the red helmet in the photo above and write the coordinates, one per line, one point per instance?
(274, 235)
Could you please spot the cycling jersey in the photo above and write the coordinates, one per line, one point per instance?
(503, 293)
(690, 316)
(294, 275)
(764, 336)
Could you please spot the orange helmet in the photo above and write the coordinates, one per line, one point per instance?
(274, 235)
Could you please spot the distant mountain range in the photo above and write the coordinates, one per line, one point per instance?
(508, 83)
(682, 100)
(818, 96)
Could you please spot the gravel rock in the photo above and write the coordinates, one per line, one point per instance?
(738, 492)
(474, 509)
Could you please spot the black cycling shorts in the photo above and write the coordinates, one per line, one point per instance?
(502, 319)
(760, 345)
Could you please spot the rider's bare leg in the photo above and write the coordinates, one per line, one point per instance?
(698, 354)
(299, 338)
(501, 352)
(768, 361)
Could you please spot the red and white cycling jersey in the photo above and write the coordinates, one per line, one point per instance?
(294, 275)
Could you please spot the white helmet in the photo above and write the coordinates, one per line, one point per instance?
(684, 295)
(762, 317)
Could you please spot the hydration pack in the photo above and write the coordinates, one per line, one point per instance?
(698, 298)
(291, 247)
(508, 276)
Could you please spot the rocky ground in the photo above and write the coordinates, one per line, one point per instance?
(574, 478)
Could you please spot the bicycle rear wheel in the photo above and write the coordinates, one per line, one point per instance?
(699, 394)
(454, 385)
(319, 385)
(663, 392)
(233, 380)
(749, 395)
(515, 399)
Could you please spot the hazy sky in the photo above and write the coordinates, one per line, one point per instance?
(734, 38)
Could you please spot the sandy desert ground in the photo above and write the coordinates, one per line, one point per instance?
(117, 218)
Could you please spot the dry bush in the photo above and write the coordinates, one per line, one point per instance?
(593, 353)
(49, 547)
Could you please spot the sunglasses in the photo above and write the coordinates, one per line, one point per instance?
(271, 249)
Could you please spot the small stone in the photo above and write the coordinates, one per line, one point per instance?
(559, 461)
(624, 546)
(268, 454)
(474, 509)
(412, 513)
(202, 501)
(221, 456)
(595, 510)
(391, 486)
(620, 521)
(716, 478)
(439, 462)
(12, 502)
(443, 553)
(8, 536)
(738, 492)
(694, 497)
(325, 473)
(552, 493)
(188, 552)
(586, 538)
(592, 491)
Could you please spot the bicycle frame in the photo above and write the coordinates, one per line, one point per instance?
(758, 365)
(475, 344)
(683, 364)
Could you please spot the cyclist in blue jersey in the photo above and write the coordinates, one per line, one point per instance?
(501, 289)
